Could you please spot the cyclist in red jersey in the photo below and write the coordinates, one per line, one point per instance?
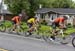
(16, 21)
(58, 22)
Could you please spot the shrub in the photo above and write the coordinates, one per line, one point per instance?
(44, 22)
(69, 25)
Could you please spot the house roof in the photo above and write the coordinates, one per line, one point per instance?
(56, 10)
(5, 12)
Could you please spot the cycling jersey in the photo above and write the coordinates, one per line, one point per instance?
(16, 19)
(59, 20)
(31, 20)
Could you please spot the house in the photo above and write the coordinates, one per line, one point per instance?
(52, 13)
(5, 15)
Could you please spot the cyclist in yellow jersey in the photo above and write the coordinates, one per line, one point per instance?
(31, 20)
(31, 23)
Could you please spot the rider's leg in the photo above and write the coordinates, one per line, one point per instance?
(62, 31)
(53, 34)
(14, 25)
(17, 27)
(30, 28)
(53, 31)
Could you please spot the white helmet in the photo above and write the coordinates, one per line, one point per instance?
(20, 15)
(66, 16)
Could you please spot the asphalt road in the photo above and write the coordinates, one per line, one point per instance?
(20, 43)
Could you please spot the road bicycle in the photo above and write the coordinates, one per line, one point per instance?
(61, 37)
(18, 30)
(35, 31)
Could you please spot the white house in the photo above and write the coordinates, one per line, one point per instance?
(52, 13)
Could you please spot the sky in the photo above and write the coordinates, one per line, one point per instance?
(0, 1)
(73, 0)
(5, 7)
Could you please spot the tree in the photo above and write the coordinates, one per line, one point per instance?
(16, 6)
(33, 6)
(58, 3)
(47, 3)
(62, 3)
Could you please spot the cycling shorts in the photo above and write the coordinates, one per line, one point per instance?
(54, 25)
(30, 25)
(14, 22)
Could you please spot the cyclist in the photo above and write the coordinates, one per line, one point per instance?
(16, 20)
(32, 22)
(60, 23)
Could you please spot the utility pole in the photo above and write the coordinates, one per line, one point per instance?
(1, 5)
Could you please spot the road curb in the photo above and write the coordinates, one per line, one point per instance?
(22, 36)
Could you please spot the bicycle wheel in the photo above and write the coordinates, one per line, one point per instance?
(2, 28)
(10, 30)
(45, 38)
(73, 42)
(20, 30)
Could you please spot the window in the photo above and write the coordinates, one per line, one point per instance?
(53, 16)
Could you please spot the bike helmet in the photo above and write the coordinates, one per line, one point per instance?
(20, 15)
(66, 16)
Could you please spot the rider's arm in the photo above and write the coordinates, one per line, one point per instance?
(34, 23)
(61, 24)
(18, 20)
